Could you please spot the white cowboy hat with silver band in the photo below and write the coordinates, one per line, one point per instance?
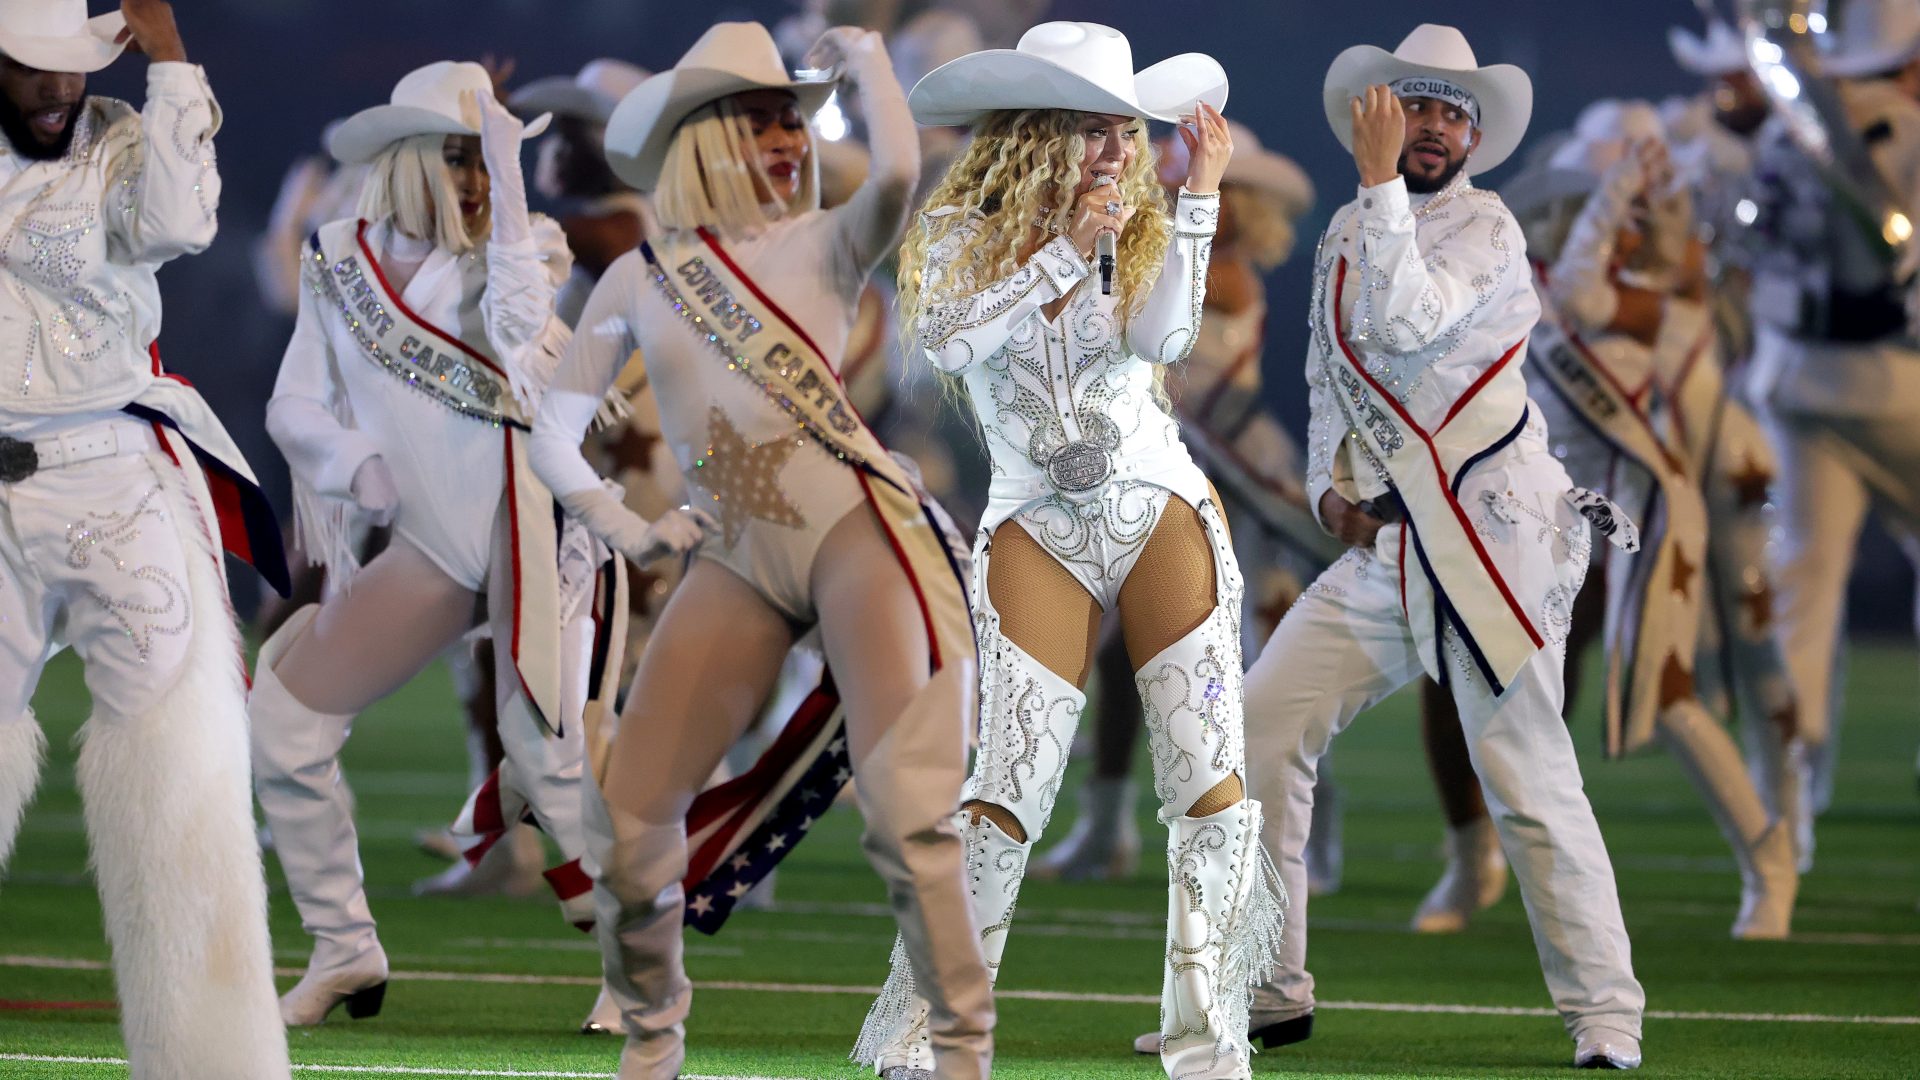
(56, 35)
(591, 95)
(1720, 51)
(1081, 66)
(730, 58)
(1868, 37)
(433, 100)
(1502, 93)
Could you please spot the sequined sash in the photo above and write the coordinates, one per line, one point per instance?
(738, 830)
(1653, 615)
(343, 273)
(347, 279)
(1469, 592)
(753, 338)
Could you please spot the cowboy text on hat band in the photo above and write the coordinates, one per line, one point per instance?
(1429, 86)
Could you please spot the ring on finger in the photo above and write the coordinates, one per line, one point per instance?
(1113, 208)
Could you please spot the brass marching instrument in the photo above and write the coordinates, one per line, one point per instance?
(1785, 41)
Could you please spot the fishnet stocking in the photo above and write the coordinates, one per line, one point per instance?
(1170, 590)
(1220, 796)
(1043, 608)
(1047, 612)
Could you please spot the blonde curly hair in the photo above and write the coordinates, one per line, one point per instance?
(1020, 168)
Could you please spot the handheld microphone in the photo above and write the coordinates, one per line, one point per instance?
(1104, 243)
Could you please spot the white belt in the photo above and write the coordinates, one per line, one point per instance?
(108, 438)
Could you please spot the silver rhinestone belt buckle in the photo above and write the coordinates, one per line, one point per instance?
(1080, 466)
(18, 460)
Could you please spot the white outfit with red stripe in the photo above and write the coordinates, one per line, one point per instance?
(1434, 303)
(111, 547)
(334, 407)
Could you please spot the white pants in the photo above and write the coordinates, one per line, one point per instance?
(1344, 647)
(111, 557)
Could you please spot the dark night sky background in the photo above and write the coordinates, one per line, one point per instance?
(283, 68)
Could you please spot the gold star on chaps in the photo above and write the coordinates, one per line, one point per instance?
(744, 478)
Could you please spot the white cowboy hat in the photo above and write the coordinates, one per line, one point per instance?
(1867, 37)
(591, 95)
(426, 101)
(1067, 65)
(56, 35)
(1258, 167)
(1604, 133)
(1504, 93)
(1720, 51)
(730, 58)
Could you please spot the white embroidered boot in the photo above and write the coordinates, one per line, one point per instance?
(1027, 726)
(1223, 924)
(1475, 879)
(296, 763)
(1223, 896)
(1104, 843)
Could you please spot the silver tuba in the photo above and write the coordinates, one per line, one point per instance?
(1871, 227)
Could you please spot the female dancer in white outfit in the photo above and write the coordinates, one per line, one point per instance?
(741, 307)
(425, 335)
(1094, 502)
(1623, 277)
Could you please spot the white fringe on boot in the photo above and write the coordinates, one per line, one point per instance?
(169, 812)
(23, 752)
(896, 1007)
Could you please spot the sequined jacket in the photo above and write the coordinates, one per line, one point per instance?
(1057, 399)
(1436, 299)
(82, 237)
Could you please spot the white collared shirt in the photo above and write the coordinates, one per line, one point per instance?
(81, 238)
(1437, 291)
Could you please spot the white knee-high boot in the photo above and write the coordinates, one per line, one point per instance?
(636, 869)
(1028, 718)
(23, 752)
(1762, 847)
(1224, 898)
(177, 861)
(296, 761)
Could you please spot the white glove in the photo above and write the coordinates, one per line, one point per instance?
(501, 134)
(676, 532)
(846, 48)
(374, 490)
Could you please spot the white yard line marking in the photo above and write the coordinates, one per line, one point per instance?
(1448, 1008)
(374, 1070)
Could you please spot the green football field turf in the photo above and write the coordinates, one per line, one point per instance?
(496, 987)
